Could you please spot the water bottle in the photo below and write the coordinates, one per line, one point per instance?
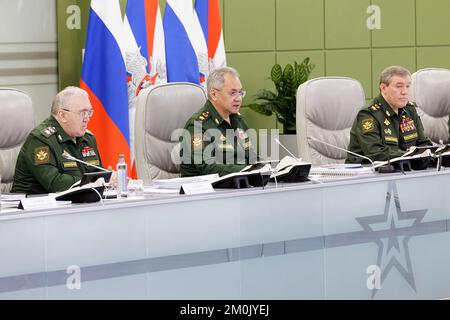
(121, 177)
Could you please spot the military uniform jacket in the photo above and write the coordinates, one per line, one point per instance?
(40, 167)
(378, 132)
(212, 145)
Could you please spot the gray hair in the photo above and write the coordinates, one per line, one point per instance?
(216, 78)
(61, 99)
(389, 72)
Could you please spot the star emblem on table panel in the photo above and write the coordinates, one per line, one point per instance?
(392, 236)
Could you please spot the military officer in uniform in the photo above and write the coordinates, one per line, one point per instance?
(216, 139)
(390, 125)
(40, 167)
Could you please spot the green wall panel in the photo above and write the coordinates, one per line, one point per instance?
(433, 22)
(333, 33)
(438, 57)
(383, 58)
(351, 63)
(316, 57)
(396, 29)
(254, 69)
(345, 24)
(249, 25)
(300, 24)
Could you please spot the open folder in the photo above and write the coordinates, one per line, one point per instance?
(255, 175)
(290, 169)
(91, 192)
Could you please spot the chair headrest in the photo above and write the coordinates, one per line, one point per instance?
(430, 91)
(16, 117)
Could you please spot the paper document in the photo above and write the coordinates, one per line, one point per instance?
(176, 183)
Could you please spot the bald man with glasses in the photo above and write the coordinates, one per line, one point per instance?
(216, 138)
(40, 167)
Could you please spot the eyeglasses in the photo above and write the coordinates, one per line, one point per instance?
(234, 94)
(82, 113)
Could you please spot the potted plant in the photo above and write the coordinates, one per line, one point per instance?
(282, 103)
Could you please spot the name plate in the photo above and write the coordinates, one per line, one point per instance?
(196, 188)
(38, 203)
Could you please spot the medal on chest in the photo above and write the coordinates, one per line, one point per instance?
(407, 125)
(241, 134)
(88, 152)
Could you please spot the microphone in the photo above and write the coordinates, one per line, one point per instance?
(388, 168)
(67, 156)
(278, 141)
(342, 149)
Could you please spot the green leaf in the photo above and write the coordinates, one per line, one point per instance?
(276, 74)
(283, 102)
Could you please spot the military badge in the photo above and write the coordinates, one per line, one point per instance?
(367, 125)
(41, 155)
(388, 131)
(241, 134)
(387, 122)
(70, 164)
(391, 139)
(216, 121)
(407, 125)
(197, 141)
(94, 162)
(411, 136)
(388, 113)
(88, 152)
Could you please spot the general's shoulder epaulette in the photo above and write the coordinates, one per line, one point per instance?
(375, 107)
(48, 131)
(203, 116)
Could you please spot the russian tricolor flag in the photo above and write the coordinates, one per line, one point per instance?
(186, 50)
(144, 20)
(208, 12)
(104, 78)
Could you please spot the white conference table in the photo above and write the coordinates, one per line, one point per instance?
(381, 237)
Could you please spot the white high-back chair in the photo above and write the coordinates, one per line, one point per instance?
(326, 109)
(160, 111)
(431, 92)
(16, 122)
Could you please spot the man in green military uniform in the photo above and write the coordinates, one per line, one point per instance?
(216, 139)
(390, 125)
(40, 167)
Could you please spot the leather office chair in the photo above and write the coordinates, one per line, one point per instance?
(16, 122)
(326, 109)
(161, 110)
(431, 92)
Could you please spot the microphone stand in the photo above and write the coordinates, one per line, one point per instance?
(388, 168)
(67, 156)
(342, 149)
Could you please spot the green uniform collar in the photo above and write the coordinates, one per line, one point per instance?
(387, 109)
(61, 135)
(216, 117)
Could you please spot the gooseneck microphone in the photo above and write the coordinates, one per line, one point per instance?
(342, 149)
(278, 141)
(67, 156)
